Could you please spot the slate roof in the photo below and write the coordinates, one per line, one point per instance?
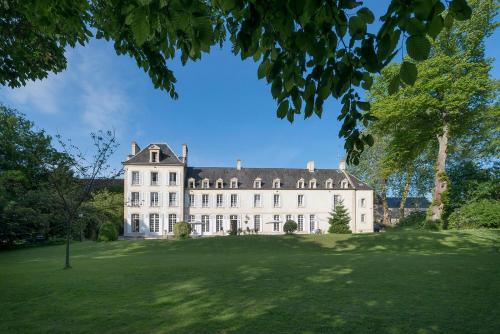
(167, 157)
(288, 177)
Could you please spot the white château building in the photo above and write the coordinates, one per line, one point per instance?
(161, 189)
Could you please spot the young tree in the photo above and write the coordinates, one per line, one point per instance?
(308, 50)
(74, 176)
(451, 94)
(339, 220)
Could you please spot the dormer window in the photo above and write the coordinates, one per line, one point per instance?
(154, 154)
(219, 184)
(205, 184)
(276, 183)
(344, 184)
(329, 184)
(312, 184)
(234, 183)
(257, 184)
(191, 183)
(300, 184)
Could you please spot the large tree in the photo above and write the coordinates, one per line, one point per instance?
(451, 94)
(307, 50)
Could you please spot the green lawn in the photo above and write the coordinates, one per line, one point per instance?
(395, 282)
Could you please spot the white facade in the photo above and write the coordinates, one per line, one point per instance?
(159, 194)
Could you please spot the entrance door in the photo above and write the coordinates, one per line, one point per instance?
(233, 224)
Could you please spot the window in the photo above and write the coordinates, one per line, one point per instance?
(256, 223)
(312, 184)
(300, 222)
(172, 178)
(134, 222)
(219, 200)
(135, 199)
(205, 184)
(276, 183)
(336, 200)
(218, 223)
(276, 224)
(288, 217)
(191, 183)
(276, 200)
(329, 184)
(234, 200)
(205, 223)
(192, 200)
(344, 184)
(362, 203)
(257, 201)
(363, 218)
(300, 201)
(154, 178)
(172, 219)
(234, 183)
(154, 199)
(154, 222)
(219, 184)
(135, 178)
(190, 218)
(172, 199)
(312, 222)
(300, 184)
(204, 200)
(154, 156)
(257, 183)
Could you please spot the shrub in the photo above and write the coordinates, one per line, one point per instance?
(290, 226)
(414, 220)
(182, 230)
(107, 232)
(480, 214)
(339, 220)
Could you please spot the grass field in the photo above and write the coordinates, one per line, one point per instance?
(395, 282)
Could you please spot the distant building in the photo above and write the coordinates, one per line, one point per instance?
(161, 189)
(412, 204)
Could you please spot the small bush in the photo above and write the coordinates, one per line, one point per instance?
(480, 214)
(182, 230)
(414, 220)
(290, 226)
(107, 232)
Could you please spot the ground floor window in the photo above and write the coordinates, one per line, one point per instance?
(288, 217)
(312, 222)
(256, 223)
(135, 222)
(205, 226)
(218, 223)
(190, 218)
(154, 222)
(172, 219)
(233, 221)
(300, 222)
(276, 224)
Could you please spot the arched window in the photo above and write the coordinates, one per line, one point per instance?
(344, 184)
(312, 184)
(257, 183)
(276, 183)
(205, 184)
(191, 183)
(300, 184)
(329, 184)
(219, 184)
(234, 183)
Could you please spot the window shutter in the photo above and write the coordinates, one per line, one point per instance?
(160, 199)
(304, 201)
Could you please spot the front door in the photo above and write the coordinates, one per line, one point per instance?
(233, 223)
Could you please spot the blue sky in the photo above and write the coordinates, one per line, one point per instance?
(223, 112)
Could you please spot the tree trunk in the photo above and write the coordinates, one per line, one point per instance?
(440, 178)
(385, 205)
(404, 193)
(68, 241)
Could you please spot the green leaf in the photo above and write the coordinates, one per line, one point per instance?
(282, 109)
(368, 139)
(363, 105)
(418, 47)
(415, 27)
(367, 81)
(435, 26)
(408, 72)
(309, 109)
(356, 24)
(366, 15)
(394, 85)
(448, 20)
(461, 9)
(140, 25)
(263, 69)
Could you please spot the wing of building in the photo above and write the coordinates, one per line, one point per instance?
(161, 189)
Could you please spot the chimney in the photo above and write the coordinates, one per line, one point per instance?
(310, 166)
(184, 156)
(238, 164)
(134, 148)
(342, 164)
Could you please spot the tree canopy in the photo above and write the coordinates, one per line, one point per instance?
(307, 50)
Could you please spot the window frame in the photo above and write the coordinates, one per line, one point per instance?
(170, 222)
(154, 224)
(135, 225)
(203, 203)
